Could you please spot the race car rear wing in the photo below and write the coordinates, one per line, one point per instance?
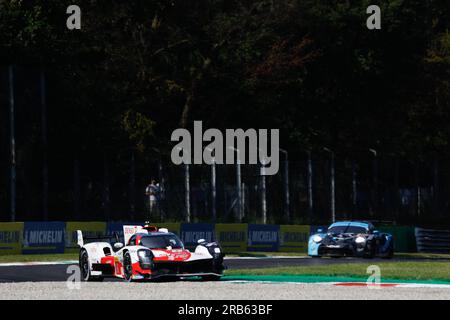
(81, 241)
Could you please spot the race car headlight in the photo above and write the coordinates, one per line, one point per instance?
(143, 254)
(360, 240)
(317, 238)
(145, 259)
(215, 251)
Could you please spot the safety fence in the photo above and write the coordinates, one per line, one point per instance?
(61, 237)
(433, 241)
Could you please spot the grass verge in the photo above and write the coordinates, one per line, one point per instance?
(402, 270)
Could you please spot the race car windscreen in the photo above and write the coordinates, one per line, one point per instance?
(347, 229)
(162, 242)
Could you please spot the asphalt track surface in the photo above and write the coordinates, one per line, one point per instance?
(48, 282)
(58, 272)
(222, 290)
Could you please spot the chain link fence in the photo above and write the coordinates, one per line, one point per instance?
(374, 188)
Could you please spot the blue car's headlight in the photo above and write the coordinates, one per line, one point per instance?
(317, 238)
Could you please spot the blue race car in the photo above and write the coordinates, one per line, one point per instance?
(351, 238)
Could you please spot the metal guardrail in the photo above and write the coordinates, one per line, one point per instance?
(432, 241)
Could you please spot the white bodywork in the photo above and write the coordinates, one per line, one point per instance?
(98, 250)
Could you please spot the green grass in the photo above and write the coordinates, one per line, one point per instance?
(403, 270)
(266, 254)
(417, 255)
(39, 257)
(398, 255)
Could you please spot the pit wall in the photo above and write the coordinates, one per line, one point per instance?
(60, 237)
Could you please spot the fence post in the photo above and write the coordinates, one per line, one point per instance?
(310, 187)
(354, 188)
(44, 146)
(13, 144)
(213, 189)
(239, 188)
(375, 182)
(332, 186)
(132, 197)
(106, 189)
(333, 191)
(435, 186)
(286, 185)
(263, 194)
(187, 193)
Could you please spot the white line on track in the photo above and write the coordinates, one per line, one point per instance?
(271, 257)
(37, 263)
(347, 284)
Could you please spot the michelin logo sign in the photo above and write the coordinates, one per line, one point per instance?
(263, 237)
(191, 233)
(43, 237)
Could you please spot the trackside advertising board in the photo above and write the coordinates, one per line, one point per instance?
(90, 229)
(232, 237)
(294, 238)
(113, 228)
(11, 237)
(43, 237)
(173, 227)
(263, 237)
(192, 232)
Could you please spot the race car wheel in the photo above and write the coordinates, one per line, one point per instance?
(85, 269)
(127, 267)
(211, 278)
(390, 255)
(369, 252)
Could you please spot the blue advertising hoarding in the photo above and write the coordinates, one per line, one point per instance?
(192, 232)
(263, 237)
(43, 237)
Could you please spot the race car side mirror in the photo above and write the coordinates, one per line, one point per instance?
(118, 245)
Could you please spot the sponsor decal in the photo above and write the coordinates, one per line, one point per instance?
(232, 237)
(192, 232)
(43, 237)
(294, 238)
(11, 237)
(89, 229)
(263, 237)
(113, 228)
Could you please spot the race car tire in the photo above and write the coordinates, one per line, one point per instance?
(211, 278)
(127, 267)
(369, 254)
(390, 255)
(85, 270)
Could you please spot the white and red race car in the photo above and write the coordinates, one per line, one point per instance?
(149, 253)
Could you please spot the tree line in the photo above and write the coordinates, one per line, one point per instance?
(137, 70)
